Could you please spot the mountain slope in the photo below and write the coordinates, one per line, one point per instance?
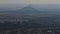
(25, 10)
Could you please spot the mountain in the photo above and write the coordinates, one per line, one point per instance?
(25, 10)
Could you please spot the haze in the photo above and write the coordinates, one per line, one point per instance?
(17, 4)
(30, 1)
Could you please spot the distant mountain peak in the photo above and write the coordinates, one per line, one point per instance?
(29, 10)
(26, 10)
(28, 6)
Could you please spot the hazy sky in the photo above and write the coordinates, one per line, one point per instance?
(32, 1)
